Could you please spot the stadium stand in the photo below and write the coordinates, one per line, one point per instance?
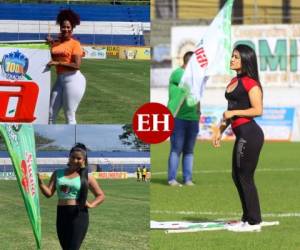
(48, 161)
(101, 24)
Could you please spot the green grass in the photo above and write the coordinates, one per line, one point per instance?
(121, 222)
(115, 89)
(277, 180)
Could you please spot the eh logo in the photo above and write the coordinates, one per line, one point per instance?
(153, 123)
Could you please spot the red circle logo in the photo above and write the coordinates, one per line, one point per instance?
(153, 123)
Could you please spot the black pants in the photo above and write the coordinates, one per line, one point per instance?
(71, 225)
(247, 147)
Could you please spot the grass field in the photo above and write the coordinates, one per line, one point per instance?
(115, 89)
(277, 179)
(121, 222)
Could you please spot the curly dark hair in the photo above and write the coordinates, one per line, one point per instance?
(70, 15)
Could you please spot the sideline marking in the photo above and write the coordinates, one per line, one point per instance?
(229, 171)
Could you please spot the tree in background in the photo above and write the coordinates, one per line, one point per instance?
(129, 138)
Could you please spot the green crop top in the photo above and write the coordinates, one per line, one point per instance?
(67, 188)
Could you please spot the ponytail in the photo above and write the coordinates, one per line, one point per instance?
(83, 173)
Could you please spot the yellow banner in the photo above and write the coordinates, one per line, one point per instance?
(135, 53)
(110, 175)
(113, 51)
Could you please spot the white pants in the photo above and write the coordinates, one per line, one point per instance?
(67, 92)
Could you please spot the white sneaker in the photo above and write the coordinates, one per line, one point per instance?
(245, 227)
(174, 183)
(189, 183)
(234, 224)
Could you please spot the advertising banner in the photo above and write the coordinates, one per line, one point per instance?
(113, 51)
(24, 83)
(277, 48)
(276, 122)
(137, 53)
(110, 175)
(20, 143)
(94, 52)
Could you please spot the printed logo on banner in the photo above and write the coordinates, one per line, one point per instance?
(14, 65)
(18, 99)
(27, 172)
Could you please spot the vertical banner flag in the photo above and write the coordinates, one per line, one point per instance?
(19, 140)
(211, 57)
(24, 83)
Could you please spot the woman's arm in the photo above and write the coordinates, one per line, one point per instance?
(255, 96)
(75, 64)
(97, 191)
(48, 190)
(218, 131)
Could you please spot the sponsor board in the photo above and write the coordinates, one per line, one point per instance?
(276, 122)
(24, 83)
(135, 53)
(7, 176)
(113, 51)
(95, 52)
(110, 175)
(277, 48)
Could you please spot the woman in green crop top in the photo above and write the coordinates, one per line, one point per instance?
(72, 186)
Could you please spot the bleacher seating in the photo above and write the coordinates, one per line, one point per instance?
(133, 19)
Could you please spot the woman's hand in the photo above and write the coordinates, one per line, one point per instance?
(49, 39)
(216, 137)
(40, 180)
(228, 114)
(52, 63)
(89, 205)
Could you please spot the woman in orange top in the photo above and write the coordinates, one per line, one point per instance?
(66, 55)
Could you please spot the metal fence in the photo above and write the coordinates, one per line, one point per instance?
(95, 33)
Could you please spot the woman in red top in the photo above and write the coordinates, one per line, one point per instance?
(245, 101)
(66, 55)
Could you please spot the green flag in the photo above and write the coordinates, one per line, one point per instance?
(19, 140)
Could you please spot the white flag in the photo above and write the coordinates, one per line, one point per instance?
(211, 56)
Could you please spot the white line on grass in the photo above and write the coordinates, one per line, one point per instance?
(229, 171)
(224, 214)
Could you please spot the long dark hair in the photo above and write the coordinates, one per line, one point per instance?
(248, 62)
(83, 172)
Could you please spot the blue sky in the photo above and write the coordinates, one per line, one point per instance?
(96, 137)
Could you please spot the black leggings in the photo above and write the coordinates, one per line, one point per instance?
(247, 147)
(71, 225)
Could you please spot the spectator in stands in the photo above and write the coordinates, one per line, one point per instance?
(72, 184)
(245, 101)
(66, 55)
(185, 131)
